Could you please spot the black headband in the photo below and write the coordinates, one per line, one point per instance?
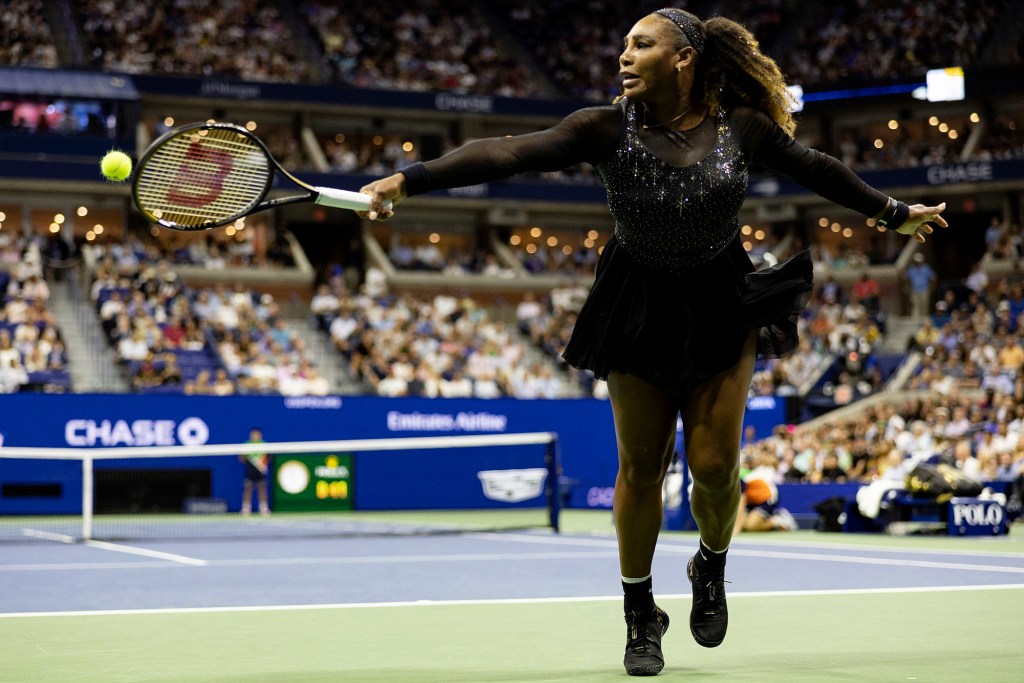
(686, 25)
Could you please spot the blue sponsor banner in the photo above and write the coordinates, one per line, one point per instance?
(586, 440)
(767, 186)
(585, 429)
(257, 92)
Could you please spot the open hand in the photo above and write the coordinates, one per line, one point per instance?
(917, 223)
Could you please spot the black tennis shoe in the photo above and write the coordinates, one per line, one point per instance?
(709, 616)
(643, 642)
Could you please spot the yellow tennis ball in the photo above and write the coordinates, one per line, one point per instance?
(116, 165)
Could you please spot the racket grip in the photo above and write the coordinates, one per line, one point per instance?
(345, 199)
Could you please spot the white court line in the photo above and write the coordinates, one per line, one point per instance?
(493, 557)
(777, 554)
(80, 566)
(891, 549)
(145, 552)
(689, 546)
(413, 559)
(513, 557)
(360, 559)
(48, 536)
(113, 547)
(497, 601)
(857, 559)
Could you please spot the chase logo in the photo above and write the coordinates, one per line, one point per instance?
(761, 403)
(191, 431)
(513, 486)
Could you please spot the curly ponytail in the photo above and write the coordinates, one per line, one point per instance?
(736, 73)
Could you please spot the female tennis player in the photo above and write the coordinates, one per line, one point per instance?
(677, 314)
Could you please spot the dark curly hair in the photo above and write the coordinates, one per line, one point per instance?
(733, 72)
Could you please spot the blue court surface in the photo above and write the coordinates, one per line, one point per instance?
(46, 587)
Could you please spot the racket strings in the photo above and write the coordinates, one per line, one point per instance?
(195, 180)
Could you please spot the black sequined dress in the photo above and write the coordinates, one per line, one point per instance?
(675, 293)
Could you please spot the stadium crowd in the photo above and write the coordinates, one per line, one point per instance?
(858, 41)
(445, 46)
(969, 408)
(242, 38)
(445, 345)
(32, 351)
(455, 47)
(25, 37)
(217, 340)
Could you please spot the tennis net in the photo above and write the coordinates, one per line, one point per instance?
(426, 485)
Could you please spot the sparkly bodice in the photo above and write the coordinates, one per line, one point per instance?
(671, 217)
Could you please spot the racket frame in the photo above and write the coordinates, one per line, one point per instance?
(325, 196)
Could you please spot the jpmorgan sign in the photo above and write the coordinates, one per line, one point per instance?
(192, 431)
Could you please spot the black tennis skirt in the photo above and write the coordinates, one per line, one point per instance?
(676, 331)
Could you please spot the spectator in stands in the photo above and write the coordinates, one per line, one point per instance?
(134, 347)
(171, 374)
(35, 289)
(486, 385)
(57, 357)
(830, 471)
(1011, 355)
(703, 97)
(964, 460)
(1006, 469)
(977, 279)
(147, 374)
(8, 352)
(527, 310)
(921, 280)
(324, 304)
(17, 309)
(12, 376)
(174, 332)
(995, 232)
(1014, 243)
(457, 386)
(36, 360)
(200, 386)
(896, 467)
(222, 384)
(314, 383)
(392, 384)
(1004, 440)
(867, 290)
(111, 307)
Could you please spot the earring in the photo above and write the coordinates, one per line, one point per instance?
(679, 67)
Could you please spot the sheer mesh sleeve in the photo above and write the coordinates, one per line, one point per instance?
(824, 175)
(583, 136)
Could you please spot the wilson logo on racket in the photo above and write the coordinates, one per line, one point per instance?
(207, 175)
(200, 179)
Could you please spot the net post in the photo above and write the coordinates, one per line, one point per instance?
(87, 497)
(554, 494)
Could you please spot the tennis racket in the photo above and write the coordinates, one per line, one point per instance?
(206, 175)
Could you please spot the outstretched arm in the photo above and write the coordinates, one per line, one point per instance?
(580, 137)
(827, 176)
